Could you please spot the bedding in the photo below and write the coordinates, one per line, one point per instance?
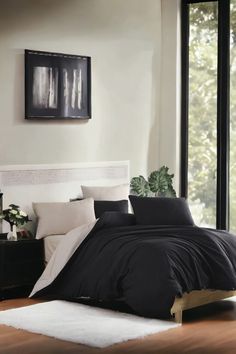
(62, 254)
(143, 266)
(161, 211)
(60, 218)
(101, 206)
(118, 192)
(50, 244)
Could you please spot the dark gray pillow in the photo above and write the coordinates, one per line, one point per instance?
(101, 206)
(161, 211)
(115, 219)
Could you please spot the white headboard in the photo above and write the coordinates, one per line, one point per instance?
(24, 184)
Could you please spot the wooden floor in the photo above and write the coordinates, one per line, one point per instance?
(206, 330)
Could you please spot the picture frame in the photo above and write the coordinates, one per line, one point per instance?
(57, 85)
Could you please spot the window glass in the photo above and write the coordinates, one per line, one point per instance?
(202, 144)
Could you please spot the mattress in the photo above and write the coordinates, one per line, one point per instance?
(50, 244)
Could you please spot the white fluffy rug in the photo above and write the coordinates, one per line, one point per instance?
(82, 324)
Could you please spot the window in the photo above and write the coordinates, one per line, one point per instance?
(208, 146)
(202, 146)
(232, 154)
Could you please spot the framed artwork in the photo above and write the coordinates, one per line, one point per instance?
(57, 86)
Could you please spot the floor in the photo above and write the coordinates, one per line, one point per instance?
(206, 330)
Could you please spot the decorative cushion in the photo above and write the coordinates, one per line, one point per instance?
(161, 211)
(115, 219)
(119, 192)
(60, 218)
(102, 206)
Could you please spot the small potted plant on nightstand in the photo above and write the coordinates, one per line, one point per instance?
(15, 217)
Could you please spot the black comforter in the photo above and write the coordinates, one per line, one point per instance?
(146, 266)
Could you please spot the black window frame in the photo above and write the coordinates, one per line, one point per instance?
(223, 101)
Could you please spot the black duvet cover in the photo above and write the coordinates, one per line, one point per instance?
(146, 266)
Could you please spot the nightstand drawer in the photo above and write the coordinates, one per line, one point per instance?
(29, 251)
(21, 264)
(21, 273)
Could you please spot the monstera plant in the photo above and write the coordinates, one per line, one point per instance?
(159, 184)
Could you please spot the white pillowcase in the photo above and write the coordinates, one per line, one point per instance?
(119, 192)
(60, 218)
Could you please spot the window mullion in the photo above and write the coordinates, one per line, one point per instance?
(184, 100)
(222, 214)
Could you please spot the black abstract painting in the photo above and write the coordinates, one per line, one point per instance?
(57, 86)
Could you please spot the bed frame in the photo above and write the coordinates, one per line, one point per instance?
(197, 298)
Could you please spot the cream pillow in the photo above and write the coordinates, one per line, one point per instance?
(119, 192)
(59, 218)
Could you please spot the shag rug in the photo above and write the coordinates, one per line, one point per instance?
(81, 323)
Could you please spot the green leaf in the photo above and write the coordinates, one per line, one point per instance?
(139, 186)
(13, 206)
(160, 182)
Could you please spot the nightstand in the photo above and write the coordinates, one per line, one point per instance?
(21, 264)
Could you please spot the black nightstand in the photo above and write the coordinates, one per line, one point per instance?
(21, 264)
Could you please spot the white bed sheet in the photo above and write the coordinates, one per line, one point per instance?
(64, 251)
(50, 244)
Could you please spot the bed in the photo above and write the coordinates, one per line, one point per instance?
(62, 183)
(189, 300)
(147, 268)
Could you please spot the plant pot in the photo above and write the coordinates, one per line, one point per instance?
(12, 235)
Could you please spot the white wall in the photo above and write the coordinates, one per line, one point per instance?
(169, 122)
(128, 47)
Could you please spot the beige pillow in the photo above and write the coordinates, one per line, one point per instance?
(59, 218)
(119, 192)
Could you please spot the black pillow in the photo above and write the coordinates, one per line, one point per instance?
(115, 219)
(101, 206)
(161, 211)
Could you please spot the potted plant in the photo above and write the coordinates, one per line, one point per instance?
(159, 184)
(15, 217)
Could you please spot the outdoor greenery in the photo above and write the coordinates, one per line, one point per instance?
(203, 112)
(159, 184)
